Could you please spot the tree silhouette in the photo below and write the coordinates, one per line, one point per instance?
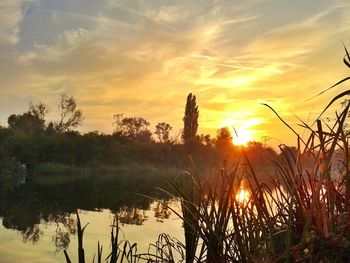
(190, 120)
(39, 110)
(223, 138)
(134, 128)
(223, 143)
(70, 116)
(162, 131)
(31, 121)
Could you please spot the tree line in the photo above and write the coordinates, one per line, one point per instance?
(33, 121)
(31, 145)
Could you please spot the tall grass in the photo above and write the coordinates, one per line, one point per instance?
(302, 214)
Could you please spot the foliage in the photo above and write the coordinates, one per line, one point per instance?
(70, 116)
(162, 131)
(223, 141)
(12, 174)
(39, 110)
(207, 140)
(134, 128)
(31, 121)
(190, 120)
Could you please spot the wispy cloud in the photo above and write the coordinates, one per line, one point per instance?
(128, 56)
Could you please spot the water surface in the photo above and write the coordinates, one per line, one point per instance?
(38, 221)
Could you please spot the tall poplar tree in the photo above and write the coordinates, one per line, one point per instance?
(190, 120)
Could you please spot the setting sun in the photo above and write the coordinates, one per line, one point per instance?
(242, 196)
(242, 130)
(243, 136)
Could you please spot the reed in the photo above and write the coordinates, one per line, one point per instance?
(301, 214)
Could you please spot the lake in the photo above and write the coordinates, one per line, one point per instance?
(38, 221)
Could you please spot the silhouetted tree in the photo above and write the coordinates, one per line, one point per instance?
(223, 143)
(144, 136)
(208, 140)
(134, 128)
(190, 120)
(70, 116)
(39, 110)
(162, 131)
(223, 138)
(31, 121)
(259, 154)
(50, 129)
(25, 122)
(205, 139)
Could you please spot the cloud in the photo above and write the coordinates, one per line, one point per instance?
(10, 19)
(144, 57)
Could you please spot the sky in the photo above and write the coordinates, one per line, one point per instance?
(142, 58)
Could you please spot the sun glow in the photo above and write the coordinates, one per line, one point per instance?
(243, 136)
(242, 196)
(242, 130)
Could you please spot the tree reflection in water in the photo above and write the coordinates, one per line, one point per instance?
(131, 216)
(33, 205)
(32, 234)
(65, 226)
(162, 211)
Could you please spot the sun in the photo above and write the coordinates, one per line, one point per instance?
(242, 196)
(243, 130)
(242, 136)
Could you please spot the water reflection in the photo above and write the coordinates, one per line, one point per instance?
(32, 234)
(162, 211)
(133, 216)
(65, 227)
(32, 206)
